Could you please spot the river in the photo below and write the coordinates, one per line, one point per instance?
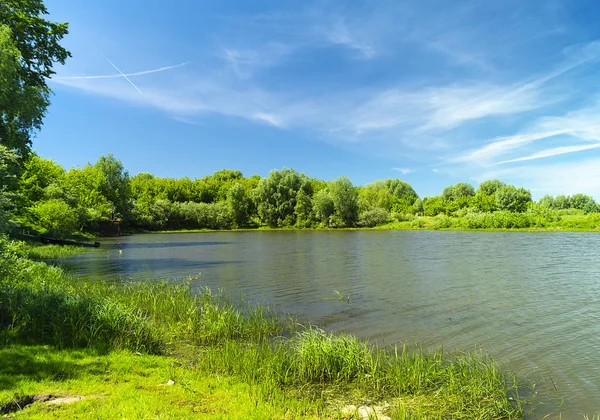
(532, 300)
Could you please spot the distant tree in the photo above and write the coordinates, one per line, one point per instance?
(276, 196)
(562, 202)
(401, 189)
(345, 200)
(547, 202)
(512, 199)
(583, 202)
(114, 185)
(304, 210)
(373, 195)
(323, 206)
(485, 203)
(29, 47)
(457, 191)
(238, 204)
(432, 206)
(418, 206)
(490, 187)
(373, 217)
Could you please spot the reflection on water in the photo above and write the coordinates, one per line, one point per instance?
(530, 299)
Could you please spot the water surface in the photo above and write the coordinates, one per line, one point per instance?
(532, 300)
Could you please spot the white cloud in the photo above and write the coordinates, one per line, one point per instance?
(339, 34)
(404, 171)
(503, 145)
(555, 151)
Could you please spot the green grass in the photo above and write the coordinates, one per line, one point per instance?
(38, 251)
(126, 385)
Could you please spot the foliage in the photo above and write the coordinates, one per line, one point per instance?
(457, 191)
(8, 179)
(113, 184)
(29, 47)
(276, 197)
(55, 217)
(510, 198)
(432, 206)
(345, 202)
(373, 217)
(583, 202)
(238, 203)
(488, 188)
(324, 206)
(305, 215)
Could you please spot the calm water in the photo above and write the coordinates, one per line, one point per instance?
(532, 300)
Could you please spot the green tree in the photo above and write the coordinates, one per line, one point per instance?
(29, 47)
(376, 194)
(345, 200)
(401, 189)
(583, 202)
(37, 176)
(324, 206)
(457, 191)
(562, 202)
(56, 217)
(513, 199)
(8, 180)
(114, 184)
(304, 210)
(489, 187)
(238, 204)
(547, 202)
(276, 196)
(432, 206)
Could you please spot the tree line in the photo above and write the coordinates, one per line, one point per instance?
(51, 200)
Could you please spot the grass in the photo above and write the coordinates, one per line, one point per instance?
(38, 251)
(134, 337)
(122, 384)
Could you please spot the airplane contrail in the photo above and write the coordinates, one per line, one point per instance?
(114, 76)
(122, 74)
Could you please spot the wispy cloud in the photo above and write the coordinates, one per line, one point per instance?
(573, 127)
(555, 151)
(404, 171)
(503, 145)
(339, 34)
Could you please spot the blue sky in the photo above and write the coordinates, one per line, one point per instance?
(431, 91)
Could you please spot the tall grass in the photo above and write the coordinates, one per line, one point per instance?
(460, 385)
(40, 303)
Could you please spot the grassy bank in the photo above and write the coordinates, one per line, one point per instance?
(118, 345)
(544, 221)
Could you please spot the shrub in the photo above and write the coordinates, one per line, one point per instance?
(373, 217)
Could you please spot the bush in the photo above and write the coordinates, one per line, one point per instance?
(373, 217)
(56, 217)
(442, 221)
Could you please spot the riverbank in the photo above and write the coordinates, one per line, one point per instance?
(219, 354)
(508, 222)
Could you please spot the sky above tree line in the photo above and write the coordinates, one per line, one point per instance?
(433, 92)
